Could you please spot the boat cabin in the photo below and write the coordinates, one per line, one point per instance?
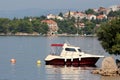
(69, 50)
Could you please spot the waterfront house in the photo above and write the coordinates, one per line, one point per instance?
(53, 27)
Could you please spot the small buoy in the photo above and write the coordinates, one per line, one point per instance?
(13, 61)
(38, 62)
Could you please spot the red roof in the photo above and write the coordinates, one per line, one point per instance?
(100, 17)
(49, 21)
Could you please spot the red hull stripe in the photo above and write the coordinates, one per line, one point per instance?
(84, 61)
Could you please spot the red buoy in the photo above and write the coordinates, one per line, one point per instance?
(13, 61)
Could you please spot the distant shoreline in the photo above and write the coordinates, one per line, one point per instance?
(55, 35)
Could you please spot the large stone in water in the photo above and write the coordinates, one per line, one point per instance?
(109, 67)
(108, 64)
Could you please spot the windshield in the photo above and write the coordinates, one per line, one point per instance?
(70, 49)
(79, 50)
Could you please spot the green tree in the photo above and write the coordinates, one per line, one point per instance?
(109, 35)
(40, 27)
(69, 15)
(25, 27)
(13, 26)
(60, 14)
(44, 28)
(4, 25)
(114, 13)
(90, 11)
(89, 29)
(42, 17)
(67, 26)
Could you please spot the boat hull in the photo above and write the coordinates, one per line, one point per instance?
(89, 61)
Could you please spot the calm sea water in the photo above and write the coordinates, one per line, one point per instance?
(27, 50)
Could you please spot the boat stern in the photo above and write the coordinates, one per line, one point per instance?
(54, 60)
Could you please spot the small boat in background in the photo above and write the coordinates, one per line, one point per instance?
(71, 55)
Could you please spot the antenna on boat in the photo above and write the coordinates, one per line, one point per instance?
(67, 42)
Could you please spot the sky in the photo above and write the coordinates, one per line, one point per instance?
(21, 8)
(8, 5)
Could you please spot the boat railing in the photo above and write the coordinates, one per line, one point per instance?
(52, 53)
(72, 56)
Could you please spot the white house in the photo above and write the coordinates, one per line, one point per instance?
(91, 16)
(51, 16)
(115, 7)
(79, 15)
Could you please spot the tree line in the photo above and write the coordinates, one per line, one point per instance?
(8, 26)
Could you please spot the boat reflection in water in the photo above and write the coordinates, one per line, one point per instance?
(69, 73)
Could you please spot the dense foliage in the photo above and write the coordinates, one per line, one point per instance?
(90, 11)
(8, 26)
(67, 26)
(114, 13)
(109, 35)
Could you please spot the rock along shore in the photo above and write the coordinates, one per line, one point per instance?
(109, 68)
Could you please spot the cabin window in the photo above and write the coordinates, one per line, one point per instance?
(79, 50)
(70, 49)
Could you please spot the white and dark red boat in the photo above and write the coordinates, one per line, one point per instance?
(71, 55)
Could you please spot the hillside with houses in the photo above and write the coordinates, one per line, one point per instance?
(68, 23)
